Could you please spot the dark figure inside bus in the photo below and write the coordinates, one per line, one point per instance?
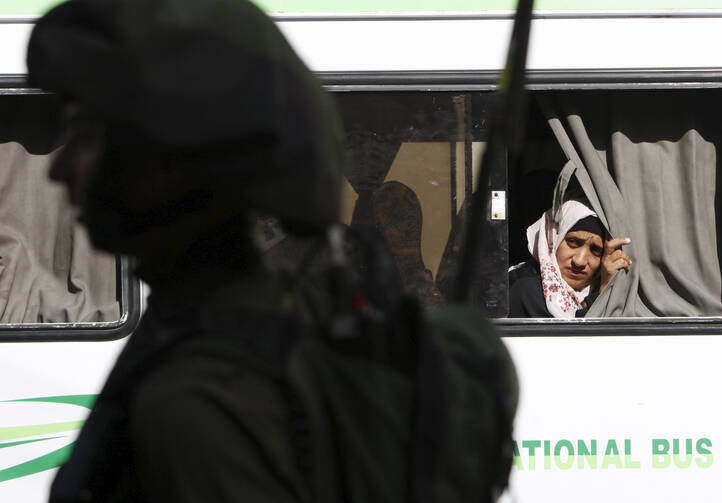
(184, 120)
(572, 264)
(389, 209)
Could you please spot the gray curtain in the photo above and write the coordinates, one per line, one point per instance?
(647, 161)
(48, 270)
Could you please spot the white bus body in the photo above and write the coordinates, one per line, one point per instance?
(637, 393)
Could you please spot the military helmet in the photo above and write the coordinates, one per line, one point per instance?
(210, 79)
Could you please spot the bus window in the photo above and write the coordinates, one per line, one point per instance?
(49, 273)
(413, 161)
(644, 161)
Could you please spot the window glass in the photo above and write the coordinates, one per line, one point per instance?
(49, 273)
(413, 161)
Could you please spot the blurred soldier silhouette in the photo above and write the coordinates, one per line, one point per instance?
(184, 118)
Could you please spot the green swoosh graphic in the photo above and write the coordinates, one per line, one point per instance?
(86, 401)
(13, 432)
(54, 458)
(46, 462)
(22, 442)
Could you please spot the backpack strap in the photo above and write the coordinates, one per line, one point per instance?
(431, 417)
(504, 408)
(465, 379)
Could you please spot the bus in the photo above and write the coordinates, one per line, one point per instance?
(622, 106)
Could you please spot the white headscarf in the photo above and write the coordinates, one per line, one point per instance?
(544, 237)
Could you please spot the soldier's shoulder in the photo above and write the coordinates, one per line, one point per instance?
(207, 370)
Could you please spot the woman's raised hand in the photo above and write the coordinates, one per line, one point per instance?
(613, 260)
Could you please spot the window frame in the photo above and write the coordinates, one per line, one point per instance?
(130, 303)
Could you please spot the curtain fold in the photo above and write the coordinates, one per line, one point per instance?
(648, 164)
(49, 272)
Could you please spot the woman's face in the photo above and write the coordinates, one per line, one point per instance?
(579, 256)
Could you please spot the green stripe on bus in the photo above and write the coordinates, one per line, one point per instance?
(476, 5)
(23, 442)
(86, 401)
(37, 465)
(25, 7)
(13, 432)
(32, 7)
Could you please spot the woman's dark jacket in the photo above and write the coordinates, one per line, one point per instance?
(526, 298)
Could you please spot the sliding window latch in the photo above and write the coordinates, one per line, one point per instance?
(498, 205)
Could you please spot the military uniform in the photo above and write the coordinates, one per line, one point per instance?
(204, 424)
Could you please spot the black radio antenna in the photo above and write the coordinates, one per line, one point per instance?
(506, 129)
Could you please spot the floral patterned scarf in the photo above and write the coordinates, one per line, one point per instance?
(544, 237)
